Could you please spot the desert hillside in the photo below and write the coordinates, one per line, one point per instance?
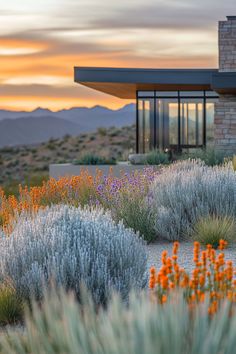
(31, 161)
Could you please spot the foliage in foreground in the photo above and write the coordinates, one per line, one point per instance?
(73, 245)
(125, 197)
(128, 199)
(211, 229)
(189, 190)
(11, 305)
(210, 155)
(61, 326)
(166, 203)
(212, 276)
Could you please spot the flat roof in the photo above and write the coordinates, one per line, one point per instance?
(224, 82)
(124, 82)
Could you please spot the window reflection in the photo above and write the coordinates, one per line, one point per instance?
(146, 124)
(167, 122)
(191, 121)
(176, 122)
(210, 111)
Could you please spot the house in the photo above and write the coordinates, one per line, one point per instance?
(178, 108)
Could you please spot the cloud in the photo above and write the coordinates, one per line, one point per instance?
(41, 42)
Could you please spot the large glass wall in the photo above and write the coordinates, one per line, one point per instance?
(174, 119)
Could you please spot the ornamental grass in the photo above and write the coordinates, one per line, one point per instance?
(212, 278)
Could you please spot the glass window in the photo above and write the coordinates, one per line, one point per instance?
(162, 121)
(210, 112)
(191, 93)
(191, 121)
(166, 93)
(145, 93)
(167, 122)
(145, 124)
(211, 94)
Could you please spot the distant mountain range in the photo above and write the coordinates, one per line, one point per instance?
(23, 128)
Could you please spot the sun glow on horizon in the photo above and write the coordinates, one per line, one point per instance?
(40, 43)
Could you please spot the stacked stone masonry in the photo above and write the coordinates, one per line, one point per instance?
(227, 45)
(225, 109)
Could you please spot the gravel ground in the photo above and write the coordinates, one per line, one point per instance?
(185, 254)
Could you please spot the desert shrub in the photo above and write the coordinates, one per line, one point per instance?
(91, 159)
(11, 306)
(128, 200)
(234, 162)
(157, 157)
(61, 326)
(210, 156)
(135, 213)
(189, 190)
(102, 131)
(72, 245)
(211, 229)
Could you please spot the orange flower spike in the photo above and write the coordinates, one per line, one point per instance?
(151, 283)
(202, 280)
(171, 285)
(163, 299)
(165, 282)
(204, 258)
(175, 258)
(213, 255)
(158, 279)
(176, 268)
(192, 284)
(175, 248)
(230, 295)
(152, 270)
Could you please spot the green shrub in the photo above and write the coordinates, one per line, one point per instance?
(11, 306)
(136, 214)
(62, 326)
(210, 156)
(90, 159)
(211, 229)
(234, 162)
(102, 131)
(157, 157)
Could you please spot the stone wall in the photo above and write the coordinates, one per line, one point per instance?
(227, 45)
(225, 109)
(225, 124)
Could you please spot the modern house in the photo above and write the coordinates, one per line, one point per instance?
(178, 108)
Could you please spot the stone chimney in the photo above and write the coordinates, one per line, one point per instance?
(227, 44)
(225, 108)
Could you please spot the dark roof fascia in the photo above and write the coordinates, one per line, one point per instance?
(224, 82)
(147, 76)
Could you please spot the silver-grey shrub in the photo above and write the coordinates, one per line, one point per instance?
(61, 326)
(189, 190)
(72, 245)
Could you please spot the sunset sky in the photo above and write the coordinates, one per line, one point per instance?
(41, 41)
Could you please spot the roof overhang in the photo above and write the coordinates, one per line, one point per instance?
(124, 83)
(224, 82)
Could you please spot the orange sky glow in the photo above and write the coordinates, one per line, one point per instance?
(40, 43)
